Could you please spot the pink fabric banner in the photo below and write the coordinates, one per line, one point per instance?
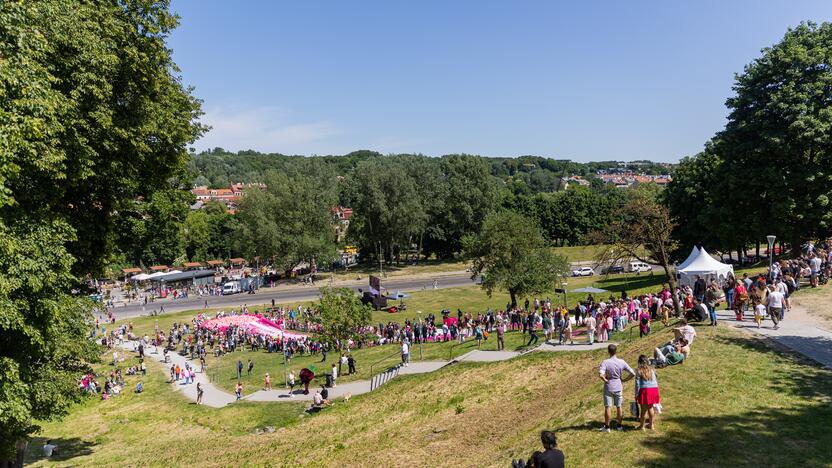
(254, 324)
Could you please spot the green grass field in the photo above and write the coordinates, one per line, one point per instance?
(736, 402)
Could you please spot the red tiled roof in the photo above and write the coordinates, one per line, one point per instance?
(159, 267)
(215, 262)
(192, 264)
(131, 270)
(237, 260)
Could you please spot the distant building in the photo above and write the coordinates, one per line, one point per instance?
(573, 180)
(227, 196)
(342, 218)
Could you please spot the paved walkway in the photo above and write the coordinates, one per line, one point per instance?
(217, 398)
(553, 346)
(804, 338)
(212, 395)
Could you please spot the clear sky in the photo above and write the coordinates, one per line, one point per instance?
(580, 80)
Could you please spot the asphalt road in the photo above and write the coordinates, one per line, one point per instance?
(286, 294)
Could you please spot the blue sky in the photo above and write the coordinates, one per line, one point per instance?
(584, 80)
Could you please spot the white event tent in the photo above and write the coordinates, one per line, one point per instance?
(693, 254)
(702, 264)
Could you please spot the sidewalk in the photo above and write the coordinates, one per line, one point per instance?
(218, 398)
(212, 396)
(804, 338)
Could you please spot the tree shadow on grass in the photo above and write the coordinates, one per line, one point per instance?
(803, 384)
(766, 436)
(68, 449)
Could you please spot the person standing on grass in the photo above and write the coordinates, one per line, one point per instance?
(611, 371)
(334, 376)
(351, 364)
(250, 367)
(239, 369)
(405, 353)
(343, 362)
(267, 382)
(643, 323)
(590, 328)
(238, 390)
(647, 392)
(501, 328)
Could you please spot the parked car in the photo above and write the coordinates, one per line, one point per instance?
(637, 267)
(613, 270)
(583, 271)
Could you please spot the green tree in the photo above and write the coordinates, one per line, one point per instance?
(92, 117)
(645, 233)
(341, 316)
(511, 254)
(471, 195)
(291, 219)
(777, 144)
(390, 209)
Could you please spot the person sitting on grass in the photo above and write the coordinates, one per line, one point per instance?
(551, 457)
(672, 353)
(49, 449)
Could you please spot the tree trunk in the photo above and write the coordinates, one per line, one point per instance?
(758, 251)
(419, 251)
(671, 281)
(513, 296)
(20, 453)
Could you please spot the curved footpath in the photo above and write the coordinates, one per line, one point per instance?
(217, 398)
(803, 337)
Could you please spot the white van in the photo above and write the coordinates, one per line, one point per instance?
(636, 267)
(231, 287)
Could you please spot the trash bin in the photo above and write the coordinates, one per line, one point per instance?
(328, 380)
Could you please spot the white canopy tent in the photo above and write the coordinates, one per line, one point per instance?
(705, 266)
(693, 254)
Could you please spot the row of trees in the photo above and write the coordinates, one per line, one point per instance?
(404, 206)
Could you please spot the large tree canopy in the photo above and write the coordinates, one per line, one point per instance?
(291, 221)
(92, 118)
(511, 254)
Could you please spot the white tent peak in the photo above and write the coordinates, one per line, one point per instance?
(693, 254)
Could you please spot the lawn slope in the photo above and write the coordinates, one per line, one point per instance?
(736, 403)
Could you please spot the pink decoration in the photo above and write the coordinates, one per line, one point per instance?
(254, 324)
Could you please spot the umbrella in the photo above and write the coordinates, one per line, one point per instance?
(589, 290)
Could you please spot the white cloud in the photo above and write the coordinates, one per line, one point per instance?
(266, 129)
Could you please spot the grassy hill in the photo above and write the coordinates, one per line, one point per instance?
(737, 402)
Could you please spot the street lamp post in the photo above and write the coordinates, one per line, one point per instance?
(421, 338)
(770, 239)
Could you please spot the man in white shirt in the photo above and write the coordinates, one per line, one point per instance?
(405, 353)
(49, 449)
(814, 266)
(775, 305)
(684, 331)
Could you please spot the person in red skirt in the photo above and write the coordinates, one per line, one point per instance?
(647, 392)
